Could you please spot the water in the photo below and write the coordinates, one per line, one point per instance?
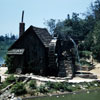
(76, 49)
(93, 95)
(77, 53)
(2, 55)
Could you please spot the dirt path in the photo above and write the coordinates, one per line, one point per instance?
(2, 73)
(3, 70)
(95, 71)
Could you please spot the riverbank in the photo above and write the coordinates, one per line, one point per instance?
(75, 85)
(95, 71)
(89, 95)
(62, 94)
(32, 88)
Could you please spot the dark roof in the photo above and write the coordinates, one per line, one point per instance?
(43, 35)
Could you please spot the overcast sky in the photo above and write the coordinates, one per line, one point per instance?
(36, 11)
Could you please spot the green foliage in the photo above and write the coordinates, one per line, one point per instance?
(85, 31)
(96, 41)
(70, 87)
(18, 89)
(43, 89)
(85, 54)
(9, 63)
(5, 43)
(58, 86)
(84, 62)
(51, 24)
(4, 84)
(32, 84)
(96, 52)
(10, 79)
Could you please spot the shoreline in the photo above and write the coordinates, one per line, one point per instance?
(41, 79)
(66, 93)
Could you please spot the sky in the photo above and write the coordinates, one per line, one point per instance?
(36, 12)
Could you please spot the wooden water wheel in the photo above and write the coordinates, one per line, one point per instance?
(60, 62)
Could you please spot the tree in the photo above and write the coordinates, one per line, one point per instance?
(51, 24)
(95, 10)
(13, 37)
(96, 41)
(2, 38)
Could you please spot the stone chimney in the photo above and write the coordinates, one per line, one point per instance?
(21, 25)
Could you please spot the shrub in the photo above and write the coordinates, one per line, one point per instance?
(9, 64)
(4, 84)
(18, 89)
(64, 86)
(32, 84)
(10, 79)
(84, 62)
(43, 89)
(54, 85)
(57, 85)
(85, 54)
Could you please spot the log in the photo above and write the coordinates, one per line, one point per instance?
(9, 86)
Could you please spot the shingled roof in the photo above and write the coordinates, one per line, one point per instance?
(43, 35)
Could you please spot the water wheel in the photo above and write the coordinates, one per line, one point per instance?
(60, 62)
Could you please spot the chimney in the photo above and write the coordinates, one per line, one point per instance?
(21, 25)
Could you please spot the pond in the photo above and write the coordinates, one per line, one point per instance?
(88, 95)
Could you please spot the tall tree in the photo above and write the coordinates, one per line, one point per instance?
(51, 24)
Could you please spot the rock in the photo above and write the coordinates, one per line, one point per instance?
(10, 96)
(73, 86)
(27, 74)
(19, 98)
(95, 84)
(15, 98)
(31, 74)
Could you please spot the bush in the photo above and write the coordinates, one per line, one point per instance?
(43, 89)
(9, 64)
(4, 84)
(84, 62)
(32, 84)
(10, 79)
(54, 85)
(58, 86)
(64, 86)
(18, 89)
(85, 54)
